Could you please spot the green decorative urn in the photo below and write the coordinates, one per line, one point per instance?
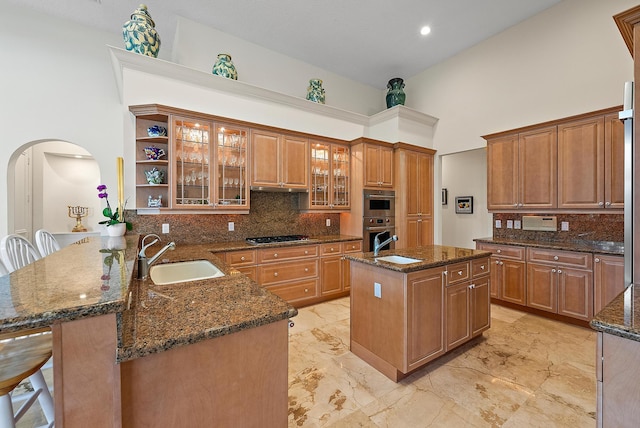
(395, 94)
(315, 91)
(224, 67)
(140, 35)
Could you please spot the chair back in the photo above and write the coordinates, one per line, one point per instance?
(17, 252)
(3, 270)
(46, 243)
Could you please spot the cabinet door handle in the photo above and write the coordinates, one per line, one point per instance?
(597, 260)
(472, 286)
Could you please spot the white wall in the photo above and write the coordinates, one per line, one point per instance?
(465, 174)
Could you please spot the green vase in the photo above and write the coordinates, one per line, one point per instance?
(315, 91)
(395, 94)
(224, 67)
(140, 35)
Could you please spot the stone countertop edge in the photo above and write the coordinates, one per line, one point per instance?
(582, 246)
(430, 256)
(613, 319)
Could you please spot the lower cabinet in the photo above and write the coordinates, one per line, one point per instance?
(402, 321)
(300, 274)
(608, 279)
(508, 272)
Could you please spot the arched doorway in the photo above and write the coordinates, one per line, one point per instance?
(45, 177)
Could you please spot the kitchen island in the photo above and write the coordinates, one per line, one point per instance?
(130, 353)
(417, 305)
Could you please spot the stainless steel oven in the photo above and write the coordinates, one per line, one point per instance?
(378, 216)
(379, 203)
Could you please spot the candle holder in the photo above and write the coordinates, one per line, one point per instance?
(78, 212)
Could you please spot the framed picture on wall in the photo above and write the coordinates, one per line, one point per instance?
(464, 204)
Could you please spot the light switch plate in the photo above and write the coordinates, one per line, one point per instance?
(232, 226)
(517, 224)
(328, 222)
(564, 226)
(498, 224)
(377, 290)
(165, 227)
(509, 224)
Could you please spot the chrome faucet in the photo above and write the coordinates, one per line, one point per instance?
(377, 244)
(143, 262)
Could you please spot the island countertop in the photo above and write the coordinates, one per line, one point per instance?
(430, 256)
(96, 277)
(621, 317)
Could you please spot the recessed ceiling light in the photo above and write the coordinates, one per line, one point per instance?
(425, 30)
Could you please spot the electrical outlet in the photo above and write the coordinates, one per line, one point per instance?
(517, 224)
(165, 227)
(377, 290)
(564, 226)
(232, 226)
(498, 224)
(328, 222)
(509, 224)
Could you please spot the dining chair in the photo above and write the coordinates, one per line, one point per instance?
(17, 252)
(21, 357)
(46, 243)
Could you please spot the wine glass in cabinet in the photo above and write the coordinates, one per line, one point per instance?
(231, 189)
(330, 172)
(191, 160)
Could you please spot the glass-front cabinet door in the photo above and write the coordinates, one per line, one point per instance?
(329, 177)
(192, 160)
(231, 190)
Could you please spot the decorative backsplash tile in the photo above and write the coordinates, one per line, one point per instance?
(588, 227)
(271, 213)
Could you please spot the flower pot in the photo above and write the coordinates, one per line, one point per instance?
(118, 229)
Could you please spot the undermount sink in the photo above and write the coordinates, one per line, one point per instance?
(170, 273)
(400, 260)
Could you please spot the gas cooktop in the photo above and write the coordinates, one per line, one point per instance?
(273, 239)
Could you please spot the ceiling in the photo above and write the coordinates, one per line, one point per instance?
(369, 41)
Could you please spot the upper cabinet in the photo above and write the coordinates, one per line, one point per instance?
(280, 161)
(573, 163)
(521, 170)
(378, 166)
(232, 162)
(330, 183)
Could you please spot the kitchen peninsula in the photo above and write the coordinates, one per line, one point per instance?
(129, 353)
(416, 305)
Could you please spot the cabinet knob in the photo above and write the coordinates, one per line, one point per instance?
(306, 252)
(501, 263)
(332, 249)
(482, 267)
(275, 255)
(597, 260)
(242, 258)
(275, 274)
(600, 203)
(460, 272)
(498, 251)
(497, 262)
(306, 269)
(306, 290)
(607, 204)
(472, 286)
(515, 205)
(559, 271)
(553, 271)
(555, 257)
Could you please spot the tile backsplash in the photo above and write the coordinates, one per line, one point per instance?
(588, 227)
(271, 213)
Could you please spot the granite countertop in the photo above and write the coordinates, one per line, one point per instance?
(96, 277)
(430, 256)
(621, 317)
(243, 245)
(598, 247)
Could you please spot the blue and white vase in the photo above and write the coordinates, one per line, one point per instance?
(315, 91)
(224, 67)
(140, 35)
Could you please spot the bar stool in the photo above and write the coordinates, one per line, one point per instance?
(22, 355)
(46, 242)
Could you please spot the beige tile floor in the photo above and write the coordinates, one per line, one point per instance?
(526, 371)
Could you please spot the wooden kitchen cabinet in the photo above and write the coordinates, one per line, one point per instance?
(458, 312)
(414, 196)
(508, 272)
(608, 279)
(378, 166)
(613, 161)
(279, 160)
(331, 264)
(521, 170)
(330, 172)
(349, 247)
(560, 282)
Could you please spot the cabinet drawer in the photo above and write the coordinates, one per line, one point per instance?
(480, 267)
(352, 246)
(280, 272)
(249, 271)
(241, 258)
(560, 257)
(296, 291)
(267, 255)
(457, 272)
(333, 248)
(504, 251)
